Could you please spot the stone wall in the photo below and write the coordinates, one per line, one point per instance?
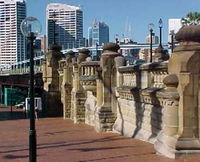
(139, 106)
(156, 102)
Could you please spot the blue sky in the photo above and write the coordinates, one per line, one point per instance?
(116, 13)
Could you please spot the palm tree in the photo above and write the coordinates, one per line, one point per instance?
(192, 18)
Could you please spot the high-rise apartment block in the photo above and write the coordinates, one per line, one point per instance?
(98, 33)
(12, 41)
(64, 25)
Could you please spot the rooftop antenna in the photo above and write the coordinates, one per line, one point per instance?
(129, 32)
(80, 6)
(126, 27)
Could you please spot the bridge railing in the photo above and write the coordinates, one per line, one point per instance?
(143, 76)
(21, 70)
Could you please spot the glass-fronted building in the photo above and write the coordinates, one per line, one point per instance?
(98, 33)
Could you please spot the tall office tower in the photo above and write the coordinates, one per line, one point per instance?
(65, 24)
(12, 41)
(98, 33)
(173, 27)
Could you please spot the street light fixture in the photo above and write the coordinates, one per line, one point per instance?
(31, 28)
(116, 38)
(97, 45)
(151, 27)
(160, 26)
(172, 40)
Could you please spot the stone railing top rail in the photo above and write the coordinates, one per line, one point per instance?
(148, 67)
(90, 63)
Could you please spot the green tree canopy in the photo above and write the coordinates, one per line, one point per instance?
(192, 18)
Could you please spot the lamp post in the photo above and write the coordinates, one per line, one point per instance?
(31, 28)
(151, 27)
(172, 40)
(160, 26)
(116, 38)
(11, 98)
(97, 53)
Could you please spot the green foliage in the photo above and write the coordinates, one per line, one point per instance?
(192, 18)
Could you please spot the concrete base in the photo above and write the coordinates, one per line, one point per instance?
(174, 147)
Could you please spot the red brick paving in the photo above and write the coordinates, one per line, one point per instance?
(62, 141)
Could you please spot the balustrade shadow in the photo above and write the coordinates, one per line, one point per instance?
(138, 104)
(12, 157)
(156, 114)
(146, 120)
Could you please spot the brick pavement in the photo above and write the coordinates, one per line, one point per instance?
(62, 141)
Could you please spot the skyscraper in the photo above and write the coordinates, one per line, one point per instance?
(98, 33)
(12, 41)
(65, 24)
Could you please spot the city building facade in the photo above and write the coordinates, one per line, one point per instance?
(12, 41)
(155, 39)
(64, 25)
(44, 44)
(98, 33)
(174, 26)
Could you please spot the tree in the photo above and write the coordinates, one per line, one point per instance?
(192, 18)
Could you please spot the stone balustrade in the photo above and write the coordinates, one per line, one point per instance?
(21, 70)
(144, 76)
(88, 75)
(129, 79)
(89, 68)
(62, 64)
(156, 102)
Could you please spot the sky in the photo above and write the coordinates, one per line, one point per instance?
(118, 13)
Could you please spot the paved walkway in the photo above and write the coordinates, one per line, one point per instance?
(62, 141)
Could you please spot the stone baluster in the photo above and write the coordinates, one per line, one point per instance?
(184, 63)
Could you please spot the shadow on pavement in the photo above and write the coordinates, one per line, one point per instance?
(15, 114)
(15, 156)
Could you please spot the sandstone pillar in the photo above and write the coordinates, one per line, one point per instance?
(67, 84)
(78, 95)
(52, 97)
(184, 140)
(104, 117)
